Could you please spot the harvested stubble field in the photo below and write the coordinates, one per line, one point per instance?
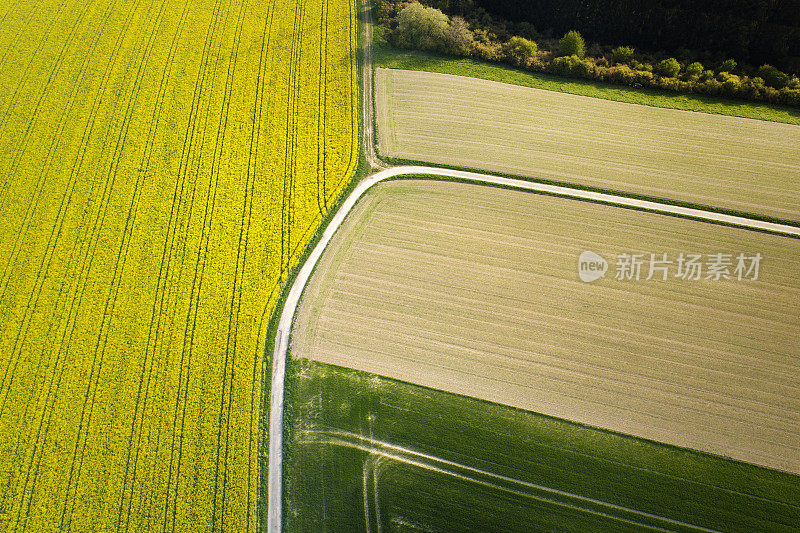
(161, 165)
(475, 290)
(734, 163)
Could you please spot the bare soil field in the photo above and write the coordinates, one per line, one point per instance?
(734, 163)
(475, 290)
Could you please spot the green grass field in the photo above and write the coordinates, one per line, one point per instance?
(344, 424)
(388, 56)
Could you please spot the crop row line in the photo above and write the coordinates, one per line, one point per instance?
(53, 239)
(322, 111)
(247, 213)
(229, 82)
(169, 251)
(121, 138)
(45, 265)
(33, 204)
(12, 102)
(140, 405)
(98, 358)
(290, 146)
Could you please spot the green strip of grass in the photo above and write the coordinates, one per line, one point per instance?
(326, 482)
(388, 56)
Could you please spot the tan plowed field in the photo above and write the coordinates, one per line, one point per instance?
(475, 290)
(741, 164)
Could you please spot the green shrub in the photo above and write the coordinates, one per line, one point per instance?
(566, 66)
(602, 72)
(727, 66)
(725, 76)
(668, 68)
(773, 77)
(385, 11)
(623, 75)
(584, 69)
(561, 65)
(771, 95)
(422, 28)
(485, 51)
(519, 50)
(571, 44)
(695, 69)
(752, 88)
(790, 96)
(622, 54)
(671, 84)
(458, 37)
(731, 86)
(712, 86)
(644, 78)
(538, 64)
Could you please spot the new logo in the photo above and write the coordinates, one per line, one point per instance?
(591, 266)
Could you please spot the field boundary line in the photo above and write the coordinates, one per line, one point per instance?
(275, 489)
(368, 91)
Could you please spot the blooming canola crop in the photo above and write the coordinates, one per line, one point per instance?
(162, 165)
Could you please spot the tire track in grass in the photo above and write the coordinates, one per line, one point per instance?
(144, 383)
(391, 452)
(170, 243)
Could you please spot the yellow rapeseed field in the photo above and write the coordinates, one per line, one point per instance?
(162, 164)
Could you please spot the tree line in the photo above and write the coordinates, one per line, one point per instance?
(750, 31)
(421, 27)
